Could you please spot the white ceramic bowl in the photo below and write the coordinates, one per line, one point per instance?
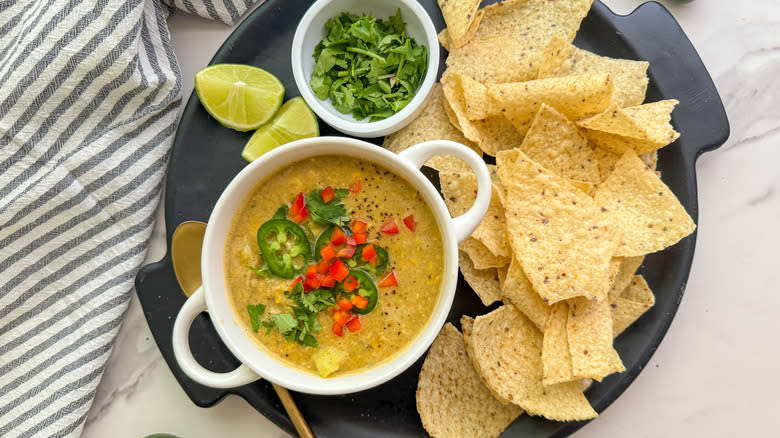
(311, 30)
(213, 296)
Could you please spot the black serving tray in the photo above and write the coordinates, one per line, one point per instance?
(206, 156)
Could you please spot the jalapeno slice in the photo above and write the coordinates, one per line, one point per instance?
(361, 263)
(366, 289)
(284, 246)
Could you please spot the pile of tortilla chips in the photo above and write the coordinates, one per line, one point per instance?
(576, 205)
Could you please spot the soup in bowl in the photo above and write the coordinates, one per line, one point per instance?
(329, 265)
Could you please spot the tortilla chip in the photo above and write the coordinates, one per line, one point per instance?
(650, 159)
(496, 133)
(493, 59)
(452, 87)
(508, 350)
(493, 134)
(555, 143)
(479, 104)
(444, 39)
(608, 280)
(644, 128)
(590, 339)
(573, 96)
(554, 56)
(517, 290)
(587, 187)
(606, 161)
(556, 359)
(481, 256)
(451, 399)
(453, 118)
(643, 207)
(630, 76)
(502, 272)
(459, 190)
(459, 16)
(628, 267)
(635, 300)
(484, 282)
(534, 22)
(557, 232)
(431, 124)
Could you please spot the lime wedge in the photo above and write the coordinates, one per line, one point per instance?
(240, 97)
(294, 121)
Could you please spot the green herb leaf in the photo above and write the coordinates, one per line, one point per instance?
(262, 272)
(367, 66)
(332, 213)
(284, 322)
(255, 312)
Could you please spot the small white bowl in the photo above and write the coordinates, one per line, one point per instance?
(213, 295)
(311, 30)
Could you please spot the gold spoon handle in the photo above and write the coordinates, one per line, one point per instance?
(292, 410)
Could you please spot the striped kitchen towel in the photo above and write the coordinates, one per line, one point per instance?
(90, 92)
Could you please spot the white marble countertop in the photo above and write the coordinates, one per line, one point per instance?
(715, 373)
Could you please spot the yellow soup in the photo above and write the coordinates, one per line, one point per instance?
(414, 257)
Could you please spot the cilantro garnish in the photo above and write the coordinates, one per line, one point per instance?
(333, 212)
(367, 66)
(255, 312)
(262, 272)
(299, 325)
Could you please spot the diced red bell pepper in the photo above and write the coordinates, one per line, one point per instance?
(339, 271)
(312, 282)
(356, 186)
(323, 266)
(361, 238)
(410, 223)
(388, 280)
(341, 316)
(297, 280)
(354, 324)
(359, 302)
(346, 252)
(344, 304)
(350, 284)
(369, 254)
(390, 227)
(338, 237)
(328, 252)
(301, 216)
(327, 194)
(327, 281)
(311, 271)
(337, 329)
(298, 211)
(359, 227)
(351, 241)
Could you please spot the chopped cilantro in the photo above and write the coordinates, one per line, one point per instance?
(255, 312)
(299, 325)
(262, 272)
(333, 212)
(367, 66)
(284, 322)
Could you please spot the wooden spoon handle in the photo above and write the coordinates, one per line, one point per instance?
(292, 410)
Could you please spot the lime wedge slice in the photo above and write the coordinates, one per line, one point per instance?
(294, 121)
(240, 97)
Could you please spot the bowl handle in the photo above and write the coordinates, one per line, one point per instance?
(193, 307)
(464, 224)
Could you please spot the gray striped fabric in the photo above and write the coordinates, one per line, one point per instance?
(89, 96)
